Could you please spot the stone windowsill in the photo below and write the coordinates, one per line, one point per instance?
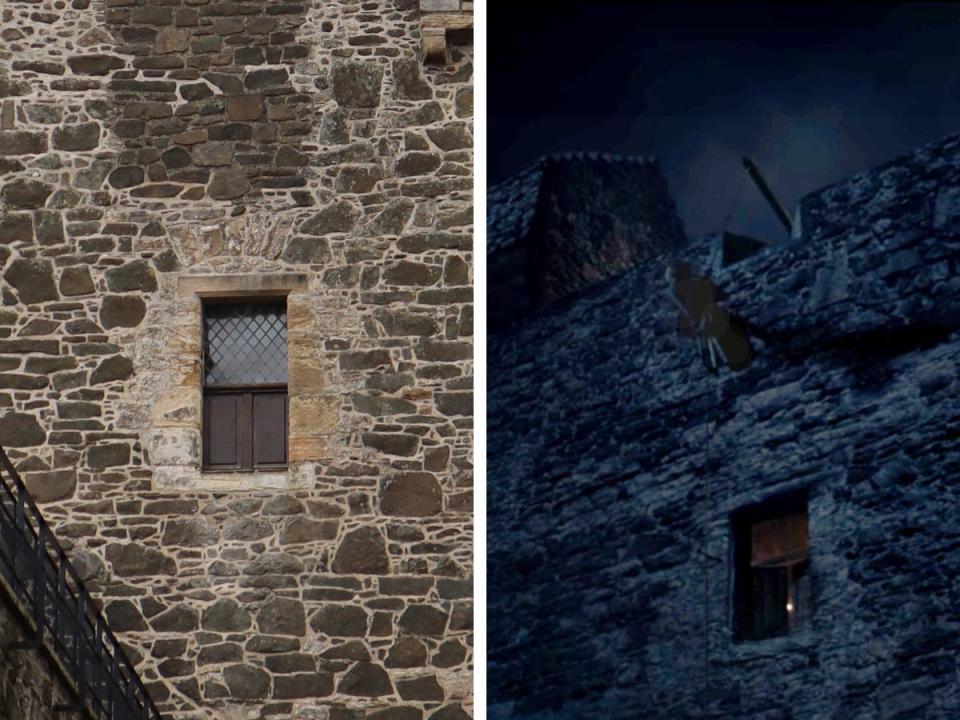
(190, 477)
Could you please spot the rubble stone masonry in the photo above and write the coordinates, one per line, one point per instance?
(155, 152)
(617, 462)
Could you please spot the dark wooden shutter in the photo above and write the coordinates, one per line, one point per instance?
(269, 429)
(222, 443)
(769, 601)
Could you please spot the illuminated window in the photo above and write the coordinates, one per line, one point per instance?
(771, 569)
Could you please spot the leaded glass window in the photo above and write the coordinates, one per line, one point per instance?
(245, 344)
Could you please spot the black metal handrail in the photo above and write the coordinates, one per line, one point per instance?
(63, 616)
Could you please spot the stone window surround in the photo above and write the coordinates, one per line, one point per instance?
(174, 446)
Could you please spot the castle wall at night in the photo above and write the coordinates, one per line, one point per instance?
(614, 454)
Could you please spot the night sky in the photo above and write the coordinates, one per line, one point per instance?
(811, 92)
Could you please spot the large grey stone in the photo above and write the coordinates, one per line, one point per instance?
(32, 279)
(412, 494)
(338, 217)
(111, 369)
(228, 184)
(190, 532)
(282, 616)
(72, 138)
(246, 682)
(365, 679)
(225, 615)
(132, 560)
(425, 620)
(50, 485)
(357, 84)
(133, 275)
(340, 621)
(362, 551)
(20, 430)
(76, 281)
(122, 311)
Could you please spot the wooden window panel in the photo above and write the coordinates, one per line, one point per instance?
(269, 429)
(222, 443)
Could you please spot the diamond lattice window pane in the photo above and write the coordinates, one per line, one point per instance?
(245, 344)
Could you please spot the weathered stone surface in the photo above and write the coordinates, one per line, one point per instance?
(409, 84)
(245, 107)
(340, 621)
(406, 652)
(94, 64)
(450, 712)
(132, 560)
(417, 163)
(33, 280)
(213, 154)
(338, 217)
(190, 532)
(411, 495)
(303, 685)
(21, 142)
(422, 688)
(365, 680)
(126, 176)
(122, 311)
(178, 619)
(275, 562)
(228, 184)
(220, 653)
(112, 369)
(393, 443)
(423, 620)
(16, 227)
(412, 273)
(124, 616)
(266, 78)
(85, 136)
(76, 281)
(247, 528)
(225, 615)
(135, 275)
(48, 226)
(25, 194)
(49, 486)
(454, 403)
(282, 616)
(362, 551)
(357, 84)
(303, 530)
(307, 250)
(104, 456)
(246, 682)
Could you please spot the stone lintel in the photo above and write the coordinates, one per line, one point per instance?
(263, 285)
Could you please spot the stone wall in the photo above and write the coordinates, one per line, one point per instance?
(155, 152)
(616, 462)
(29, 684)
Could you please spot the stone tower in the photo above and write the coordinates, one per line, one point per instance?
(159, 158)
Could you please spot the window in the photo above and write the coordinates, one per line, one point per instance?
(244, 385)
(771, 568)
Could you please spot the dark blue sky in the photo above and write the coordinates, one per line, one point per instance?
(812, 92)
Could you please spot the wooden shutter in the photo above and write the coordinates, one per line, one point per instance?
(769, 601)
(222, 443)
(269, 429)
